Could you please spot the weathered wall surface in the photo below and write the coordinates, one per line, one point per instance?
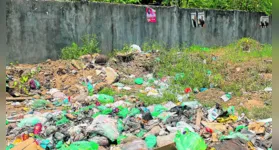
(37, 31)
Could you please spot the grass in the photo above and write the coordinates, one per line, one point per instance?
(189, 61)
(89, 46)
(107, 91)
(261, 113)
(149, 100)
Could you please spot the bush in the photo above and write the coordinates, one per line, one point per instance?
(89, 46)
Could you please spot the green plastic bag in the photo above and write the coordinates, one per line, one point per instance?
(158, 109)
(106, 111)
(81, 145)
(96, 114)
(231, 110)
(179, 76)
(28, 122)
(139, 81)
(121, 138)
(150, 141)
(7, 122)
(134, 111)
(10, 147)
(141, 133)
(240, 127)
(189, 141)
(234, 135)
(123, 112)
(40, 103)
(90, 89)
(120, 125)
(164, 116)
(59, 144)
(104, 99)
(62, 121)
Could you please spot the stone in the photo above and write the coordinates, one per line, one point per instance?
(155, 130)
(101, 148)
(163, 132)
(111, 75)
(98, 72)
(237, 69)
(134, 145)
(77, 64)
(165, 140)
(101, 140)
(37, 96)
(86, 58)
(101, 59)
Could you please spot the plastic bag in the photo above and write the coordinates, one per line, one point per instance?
(120, 125)
(164, 116)
(123, 112)
(203, 89)
(10, 146)
(179, 76)
(104, 99)
(120, 138)
(232, 118)
(134, 111)
(158, 109)
(62, 121)
(139, 81)
(191, 104)
(104, 125)
(231, 110)
(44, 143)
(150, 141)
(81, 145)
(90, 89)
(40, 103)
(141, 133)
(28, 122)
(240, 127)
(59, 144)
(189, 141)
(34, 84)
(106, 111)
(234, 135)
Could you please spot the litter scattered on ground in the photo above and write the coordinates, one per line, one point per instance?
(72, 111)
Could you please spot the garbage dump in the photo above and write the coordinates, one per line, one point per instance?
(69, 107)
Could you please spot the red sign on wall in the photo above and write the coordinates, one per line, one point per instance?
(151, 15)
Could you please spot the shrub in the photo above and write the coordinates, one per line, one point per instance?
(89, 46)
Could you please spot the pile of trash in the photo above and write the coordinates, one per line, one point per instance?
(88, 119)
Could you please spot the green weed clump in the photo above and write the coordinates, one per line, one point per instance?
(149, 100)
(89, 46)
(176, 62)
(107, 91)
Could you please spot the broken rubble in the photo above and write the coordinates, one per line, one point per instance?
(111, 75)
(165, 140)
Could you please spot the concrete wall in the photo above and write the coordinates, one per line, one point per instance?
(37, 31)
